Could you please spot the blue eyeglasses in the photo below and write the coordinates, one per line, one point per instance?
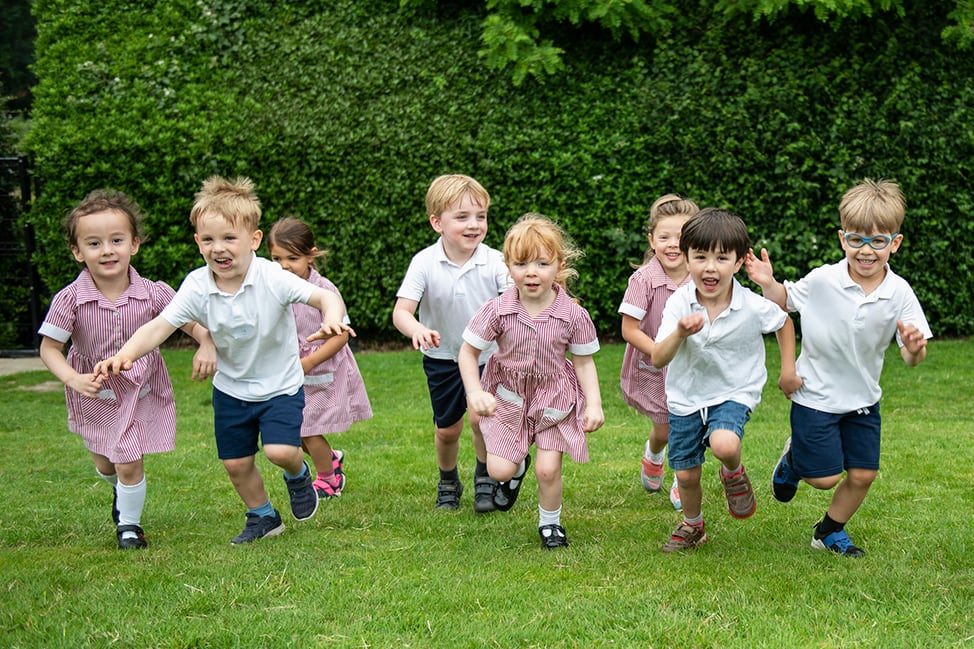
(876, 242)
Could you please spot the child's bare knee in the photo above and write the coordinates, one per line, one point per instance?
(824, 483)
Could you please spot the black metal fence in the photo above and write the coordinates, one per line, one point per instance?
(20, 285)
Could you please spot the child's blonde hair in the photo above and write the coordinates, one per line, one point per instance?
(535, 236)
(873, 205)
(235, 200)
(446, 190)
(101, 200)
(665, 207)
(294, 235)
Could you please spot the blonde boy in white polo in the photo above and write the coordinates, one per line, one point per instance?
(449, 281)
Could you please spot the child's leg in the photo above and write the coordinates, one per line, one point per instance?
(850, 494)
(479, 446)
(726, 447)
(550, 486)
(321, 454)
(130, 499)
(691, 493)
(104, 466)
(653, 457)
(484, 486)
(658, 437)
(246, 480)
(502, 469)
(448, 446)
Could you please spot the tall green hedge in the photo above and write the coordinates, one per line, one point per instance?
(343, 111)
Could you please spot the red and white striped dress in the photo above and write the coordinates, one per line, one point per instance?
(644, 386)
(334, 393)
(134, 414)
(538, 397)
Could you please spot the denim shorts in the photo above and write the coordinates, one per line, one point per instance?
(690, 434)
(447, 395)
(825, 444)
(237, 424)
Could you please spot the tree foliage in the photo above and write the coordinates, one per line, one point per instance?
(516, 33)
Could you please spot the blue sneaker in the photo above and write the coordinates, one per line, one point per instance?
(784, 480)
(304, 498)
(258, 527)
(838, 542)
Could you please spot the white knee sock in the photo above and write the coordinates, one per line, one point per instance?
(546, 517)
(131, 499)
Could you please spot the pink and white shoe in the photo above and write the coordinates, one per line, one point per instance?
(652, 475)
(675, 495)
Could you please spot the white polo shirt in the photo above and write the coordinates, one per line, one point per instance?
(450, 295)
(724, 361)
(254, 332)
(845, 334)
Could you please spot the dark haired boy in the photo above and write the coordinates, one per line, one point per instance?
(712, 336)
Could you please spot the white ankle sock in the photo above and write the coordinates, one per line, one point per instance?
(546, 517)
(110, 478)
(131, 499)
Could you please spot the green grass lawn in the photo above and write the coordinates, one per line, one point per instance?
(380, 568)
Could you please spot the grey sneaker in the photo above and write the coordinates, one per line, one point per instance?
(304, 498)
(740, 495)
(258, 527)
(448, 494)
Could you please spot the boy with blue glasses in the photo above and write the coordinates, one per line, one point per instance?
(850, 312)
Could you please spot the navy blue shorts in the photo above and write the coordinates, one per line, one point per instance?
(825, 444)
(690, 434)
(237, 424)
(447, 395)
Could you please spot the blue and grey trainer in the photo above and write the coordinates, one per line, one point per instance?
(838, 542)
(784, 480)
(258, 527)
(304, 498)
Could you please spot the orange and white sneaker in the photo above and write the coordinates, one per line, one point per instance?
(651, 475)
(675, 495)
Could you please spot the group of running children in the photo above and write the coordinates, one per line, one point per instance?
(496, 329)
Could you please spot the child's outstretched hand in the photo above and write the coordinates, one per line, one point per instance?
(329, 329)
(426, 338)
(111, 365)
(690, 324)
(912, 337)
(592, 418)
(759, 271)
(86, 384)
(483, 403)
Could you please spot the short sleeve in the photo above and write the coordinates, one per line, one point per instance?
(911, 313)
(635, 303)
(798, 292)
(414, 283)
(584, 340)
(162, 294)
(484, 328)
(59, 322)
(674, 309)
(186, 305)
(772, 316)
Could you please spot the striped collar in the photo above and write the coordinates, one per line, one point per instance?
(88, 292)
(561, 308)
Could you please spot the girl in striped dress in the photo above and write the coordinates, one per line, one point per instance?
(530, 393)
(664, 269)
(334, 392)
(120, 418)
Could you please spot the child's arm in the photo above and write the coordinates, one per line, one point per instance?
(914, 348)
(788, 380)
(636, 337)
(666, 349)
(144, 340)
(323, 352)
(481, 402)
(761, 273)
(52, 354)
(332, 309)
(588, 380)
(404, 319)
(204, 360)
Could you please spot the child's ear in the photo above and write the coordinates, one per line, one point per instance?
(78, 257)
(257, 237)
(435, 223)
(136, 242)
